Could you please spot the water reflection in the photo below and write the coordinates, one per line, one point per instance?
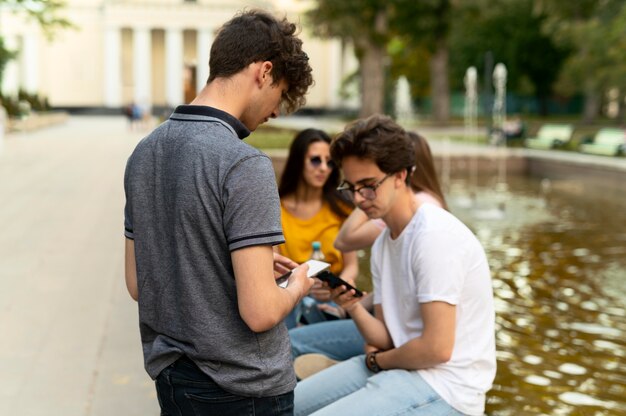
(558, 265)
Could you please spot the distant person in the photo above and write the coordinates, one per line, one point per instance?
(133, 115)
(431, 343)
(202, 214)
(514, 128)
(312, 210)
(319, 346)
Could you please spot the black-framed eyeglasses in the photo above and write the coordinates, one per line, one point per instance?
(316, 162)
(366, 191)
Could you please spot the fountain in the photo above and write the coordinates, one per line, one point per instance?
(498, 137)
(403, 106)
(470, 116)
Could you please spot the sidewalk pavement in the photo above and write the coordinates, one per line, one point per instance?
(70, 338)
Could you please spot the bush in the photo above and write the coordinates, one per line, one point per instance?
(11, 105)
(37, 102)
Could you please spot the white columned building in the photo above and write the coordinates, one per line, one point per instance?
(173, 66)
(135, 51)
(203, 46)
(334, 62)
(29, 63)
(142, 66)
(112, 67)
(11, 77)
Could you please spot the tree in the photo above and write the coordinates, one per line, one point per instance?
(370, 25)
(595, 32)
(425, 25)
(364, 24)
(512, 31)
(5, 56)
(45, 12)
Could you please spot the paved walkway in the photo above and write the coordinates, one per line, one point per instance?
(70, 342)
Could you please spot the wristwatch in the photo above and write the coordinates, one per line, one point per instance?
(370, 362)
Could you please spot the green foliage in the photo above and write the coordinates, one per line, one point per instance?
(512, 31)
(411, 61)
(403, 27)
(36, 101)
(11, 105)
(415, 22)
(596, 34)
(24, 103)
(271, 138)
(353, 20)
(5, 56)
(45, 12)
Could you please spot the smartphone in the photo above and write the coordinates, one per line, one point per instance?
(315, 267)
(336, 281)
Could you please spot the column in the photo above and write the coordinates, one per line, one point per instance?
(29, 62)
(11, 77)
(203, 45)
(142, 66)
(174, 67)
(334, 73)
(112, 67)
(351, 65)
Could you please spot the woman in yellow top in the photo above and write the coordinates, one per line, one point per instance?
(313, 210)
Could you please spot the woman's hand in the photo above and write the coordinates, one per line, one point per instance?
(320, 292)
(337, 311)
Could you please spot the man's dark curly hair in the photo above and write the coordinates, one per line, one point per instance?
(379, 139)
(255, 36)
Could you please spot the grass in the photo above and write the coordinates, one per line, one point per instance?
(271, 138)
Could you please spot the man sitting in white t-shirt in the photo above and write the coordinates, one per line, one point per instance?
(431, 345)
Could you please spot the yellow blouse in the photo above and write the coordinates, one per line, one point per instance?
(300, 234)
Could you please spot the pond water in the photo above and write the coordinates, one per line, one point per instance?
(557, 252)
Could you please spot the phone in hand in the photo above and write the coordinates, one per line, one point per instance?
(315, 267)
(336, 281)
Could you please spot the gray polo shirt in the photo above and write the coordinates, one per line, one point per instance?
(194, 193)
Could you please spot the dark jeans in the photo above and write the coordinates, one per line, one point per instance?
(184, 390)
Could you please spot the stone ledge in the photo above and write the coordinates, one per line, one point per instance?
(36, 121)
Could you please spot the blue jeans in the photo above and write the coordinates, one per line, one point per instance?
(307, 309)
(349, 388)
(184, 390)
(339, 340)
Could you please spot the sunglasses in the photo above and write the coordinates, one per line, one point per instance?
(366, 191)
(316, 162)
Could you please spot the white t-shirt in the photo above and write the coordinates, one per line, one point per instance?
(437, 258)
(421, 196)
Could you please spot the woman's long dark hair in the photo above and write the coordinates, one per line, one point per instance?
(294, 168)
(424, 177)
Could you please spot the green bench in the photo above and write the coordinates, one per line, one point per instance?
(607, 142)
(550, 136)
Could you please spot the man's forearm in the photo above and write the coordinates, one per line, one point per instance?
(414, 355)
(373, 330)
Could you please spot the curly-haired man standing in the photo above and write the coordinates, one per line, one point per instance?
(202, 214)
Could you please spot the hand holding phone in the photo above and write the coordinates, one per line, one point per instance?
(315, 267)
(336, 281)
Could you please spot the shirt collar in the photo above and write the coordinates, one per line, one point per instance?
(203, 110)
